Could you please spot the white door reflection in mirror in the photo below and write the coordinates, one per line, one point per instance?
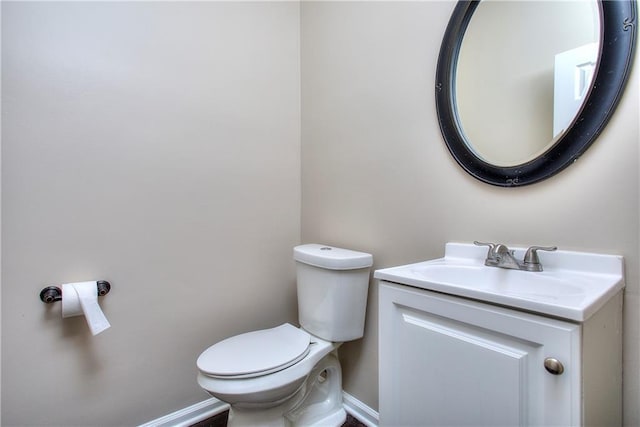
(573, 73)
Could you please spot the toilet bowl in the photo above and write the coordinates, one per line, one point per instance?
(287, 375)
(259, 391)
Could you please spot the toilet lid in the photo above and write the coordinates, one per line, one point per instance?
(255, 353)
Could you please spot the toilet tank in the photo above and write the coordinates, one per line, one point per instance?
(332, 291)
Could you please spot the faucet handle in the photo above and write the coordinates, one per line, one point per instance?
(491, 245)
(492, 258)
(492, 248)
(531, 260)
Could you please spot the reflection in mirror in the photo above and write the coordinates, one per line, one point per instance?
(523, 71)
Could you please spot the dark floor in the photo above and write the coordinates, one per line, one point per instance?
(220, 420)
(352, 422)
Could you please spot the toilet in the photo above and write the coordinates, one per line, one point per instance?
(289, 376)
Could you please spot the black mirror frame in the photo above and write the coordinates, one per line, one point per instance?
(618, 36)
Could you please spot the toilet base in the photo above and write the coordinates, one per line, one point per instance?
(317, 403)
(273, 418)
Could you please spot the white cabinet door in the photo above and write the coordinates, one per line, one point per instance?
(447, 361)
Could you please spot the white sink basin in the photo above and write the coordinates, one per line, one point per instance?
(573, 285)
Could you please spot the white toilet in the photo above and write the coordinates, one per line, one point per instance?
(289, 376)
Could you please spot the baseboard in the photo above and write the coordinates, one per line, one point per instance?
(211, 407)
(190, 415)
(359, 410)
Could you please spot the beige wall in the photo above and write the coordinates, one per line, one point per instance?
(155, 145)
(376, 175)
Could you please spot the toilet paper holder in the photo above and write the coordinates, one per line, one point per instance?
(52, 294)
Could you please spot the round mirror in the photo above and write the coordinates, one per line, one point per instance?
(524, 87)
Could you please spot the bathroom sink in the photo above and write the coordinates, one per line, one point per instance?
(573, 285)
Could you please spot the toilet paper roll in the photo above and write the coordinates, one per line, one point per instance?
(81, 299)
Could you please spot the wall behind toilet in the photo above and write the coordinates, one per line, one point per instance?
(377, 177)
(154, 145)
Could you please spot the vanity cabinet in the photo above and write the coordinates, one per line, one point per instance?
(451, 361)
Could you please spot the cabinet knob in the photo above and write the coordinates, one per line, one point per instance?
(553, 366)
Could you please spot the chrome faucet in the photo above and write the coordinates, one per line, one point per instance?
(500, 255)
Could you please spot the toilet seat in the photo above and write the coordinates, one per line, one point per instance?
(256, 353)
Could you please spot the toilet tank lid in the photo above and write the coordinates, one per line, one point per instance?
(332, 258)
